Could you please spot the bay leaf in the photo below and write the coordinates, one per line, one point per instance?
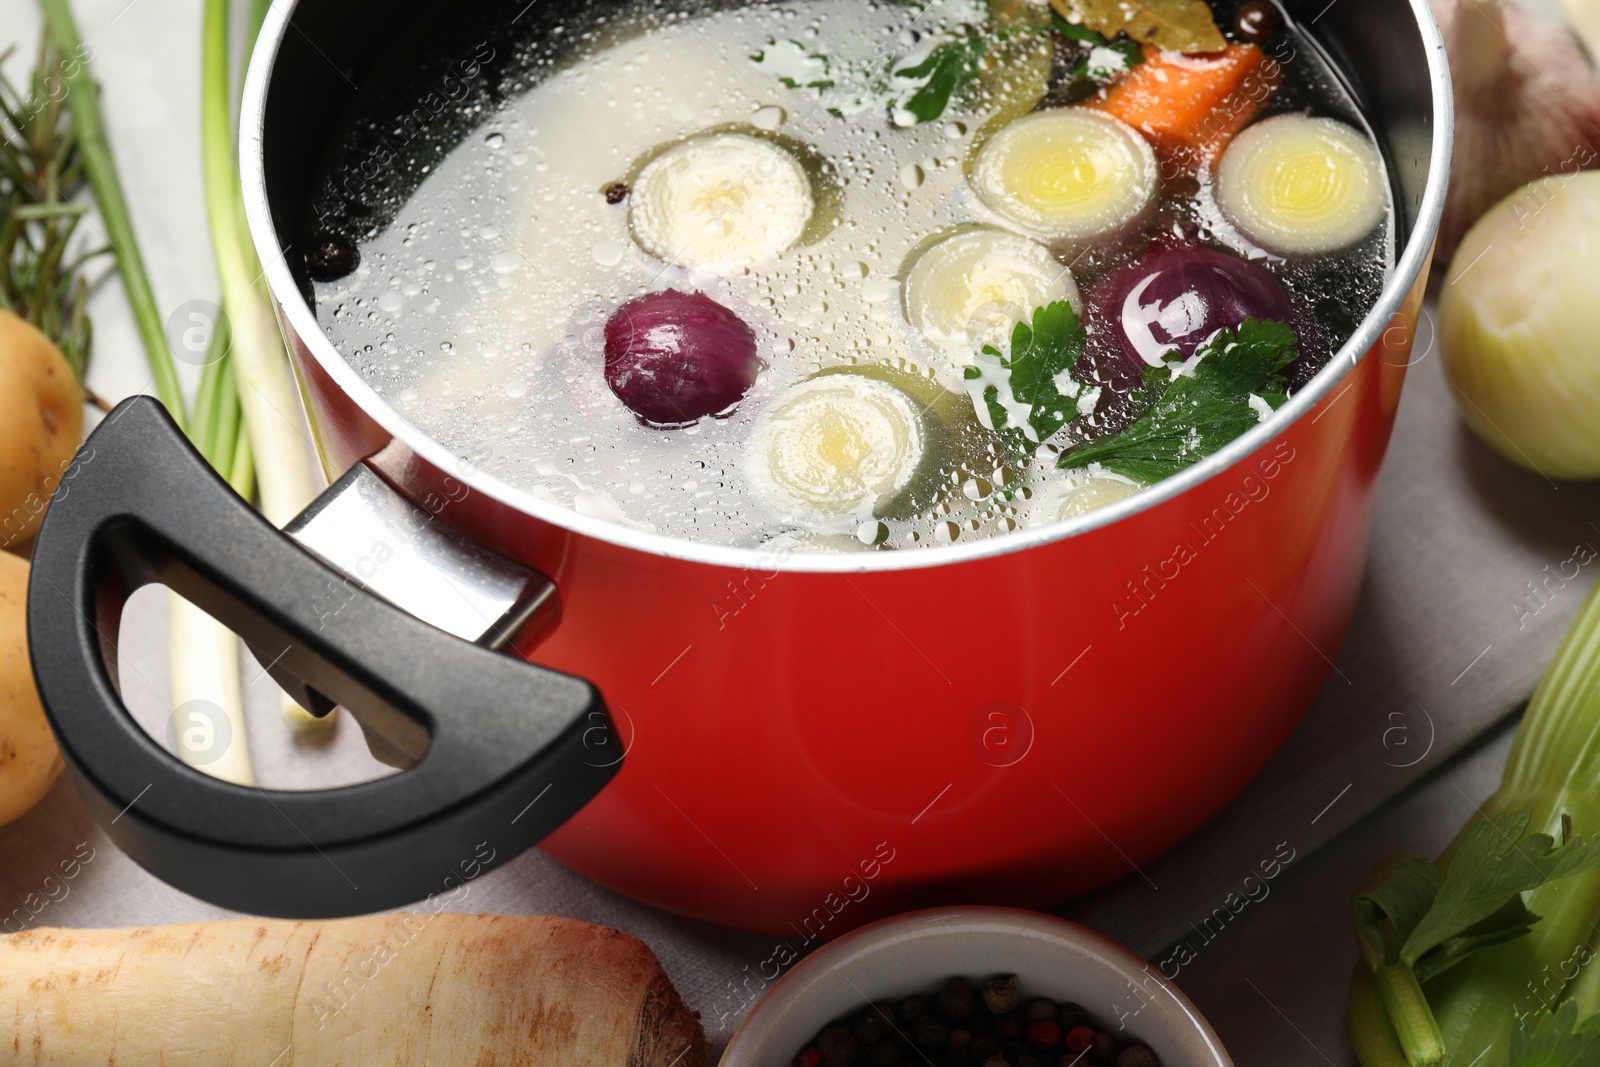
(1176, 25)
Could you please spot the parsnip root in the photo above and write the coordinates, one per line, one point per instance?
(403, 990)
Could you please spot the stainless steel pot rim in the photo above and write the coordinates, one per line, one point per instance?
(302, 319)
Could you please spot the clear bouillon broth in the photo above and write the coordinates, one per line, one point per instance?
(729, 273)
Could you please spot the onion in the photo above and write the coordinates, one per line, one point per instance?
(1174, 298)
(1517, 323)
(674, 357)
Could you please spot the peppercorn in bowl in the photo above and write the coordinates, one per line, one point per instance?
(978, 986)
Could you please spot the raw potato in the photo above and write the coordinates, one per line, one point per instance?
(398, 990)
(29, 759)
(41, 426)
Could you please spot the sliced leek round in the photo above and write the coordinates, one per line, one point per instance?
(969, 290)
(1299, 185)
(1067, 175)
(720, 202)
(837, 449)
(1066, 494)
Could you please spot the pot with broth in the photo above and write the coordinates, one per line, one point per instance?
(838, 276)
(862, 310)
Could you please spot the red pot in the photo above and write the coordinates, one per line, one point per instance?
(813, 742)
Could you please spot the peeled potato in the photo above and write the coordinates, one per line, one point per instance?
(41, 426)
(29, 759)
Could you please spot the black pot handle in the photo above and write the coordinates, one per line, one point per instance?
(501, 751)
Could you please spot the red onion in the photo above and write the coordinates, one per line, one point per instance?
(674, 357)
(1176, 298)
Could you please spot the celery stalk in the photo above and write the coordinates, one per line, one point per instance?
(1553, 769)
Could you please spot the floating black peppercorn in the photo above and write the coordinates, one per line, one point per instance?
(912, 1009)
(330, 258)
(616, 192)
(1104, 1047)
(1258, 22)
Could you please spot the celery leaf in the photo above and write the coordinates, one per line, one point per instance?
(1558, 1039)
(1494, 863)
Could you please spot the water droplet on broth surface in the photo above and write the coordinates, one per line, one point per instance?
(769, 117)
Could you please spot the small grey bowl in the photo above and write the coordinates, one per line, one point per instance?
(915, 952)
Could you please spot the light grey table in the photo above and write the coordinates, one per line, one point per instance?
(1439, 655)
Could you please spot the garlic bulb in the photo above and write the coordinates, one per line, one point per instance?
(1527, 105)
(1517, 322)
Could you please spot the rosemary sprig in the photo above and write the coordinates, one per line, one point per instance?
(41, 169)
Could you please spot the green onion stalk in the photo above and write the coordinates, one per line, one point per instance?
(1467, 1016)
(101, 170)
(204, 655)
(268, 402)
(236, 384)
(266, 391)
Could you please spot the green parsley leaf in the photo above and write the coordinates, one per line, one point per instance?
(1178, 25)
(1558, 1039)
(795, 65)
(1027, 396)
(1195, 407)
(1075, 31)
(1102, 63)
(1127, 46)
(948, 71)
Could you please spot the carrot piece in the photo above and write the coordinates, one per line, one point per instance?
(1190, 107)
